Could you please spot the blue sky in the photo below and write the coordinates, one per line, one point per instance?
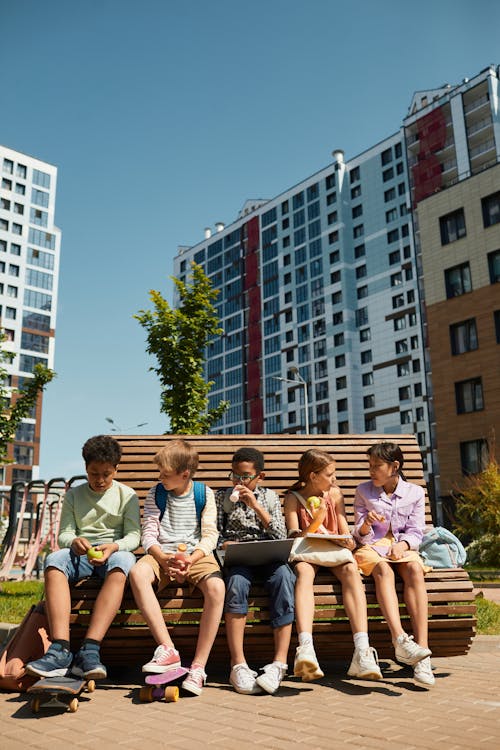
(164, 117)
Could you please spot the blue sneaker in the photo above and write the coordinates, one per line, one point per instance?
(55, 663)
(88, 664)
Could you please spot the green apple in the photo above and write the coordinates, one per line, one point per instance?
(314, 501)
(94, 554)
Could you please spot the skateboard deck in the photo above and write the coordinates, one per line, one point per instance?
(155, 689)
(58, 692)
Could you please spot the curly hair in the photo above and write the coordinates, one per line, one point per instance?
(102, 448)
(251, 456)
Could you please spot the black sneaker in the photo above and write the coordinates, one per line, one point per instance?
(88, 664)
(55, 663)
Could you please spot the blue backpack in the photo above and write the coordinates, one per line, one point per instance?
(199, 488)
(441, 549)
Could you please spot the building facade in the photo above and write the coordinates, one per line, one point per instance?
(29, 268)
(453, 139)
(327, 291)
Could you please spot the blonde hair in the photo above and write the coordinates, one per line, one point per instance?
(313, 460)
(177, 456)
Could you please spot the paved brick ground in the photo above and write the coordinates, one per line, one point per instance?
(462, 711)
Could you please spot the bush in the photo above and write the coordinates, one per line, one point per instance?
(478, 514)
(484, 552)
(488, 617)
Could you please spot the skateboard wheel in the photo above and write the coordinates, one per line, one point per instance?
(35, 705)
(73, 705)
(146, 694)
(90, 686)
(171, 694)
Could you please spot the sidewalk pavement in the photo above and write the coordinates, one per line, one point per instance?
(462, 711)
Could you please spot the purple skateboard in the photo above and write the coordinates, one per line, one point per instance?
(154, 688)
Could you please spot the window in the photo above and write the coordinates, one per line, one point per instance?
(415, 365)
(322, 391)
(391, 215)
(366, 357)
(341, 383)
(417, 389)
(343, 428)
(332, 218)
(25, 432)
(452, 226)
(11, 313)
(394, 257)
(42, 179)
(319, 348)
(392, 236)
(337, 318)
(469, 395)
(334, 277)
(17, 228)
(338, 339)
(333, 237)
(419, 414)
(342, 404)
(386, 157)
(399, 323)
(463, 336)
(362, 292)
(369, 401)
(360, 272)
(367, 378)
(406, 417)
(388, 174)
(357, 211)
(474, 456)
(355, 192)
(405, 393)
(365, 334)
(361, 317)
(358, 231)
(340, 360)
(403, 369)
(491, 209)
(359, 251)
(457, 280)
(370, 424)
(389, 195)
(494, 266)
(398, 301)
(354, 174)
(336, 298)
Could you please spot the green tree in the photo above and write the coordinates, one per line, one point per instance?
(17, 403)
(478, 514)
(177, 338)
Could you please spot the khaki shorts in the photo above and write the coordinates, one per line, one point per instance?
(198, 571)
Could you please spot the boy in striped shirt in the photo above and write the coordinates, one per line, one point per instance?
(176, 511)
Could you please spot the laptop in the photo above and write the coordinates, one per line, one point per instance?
(256, 553)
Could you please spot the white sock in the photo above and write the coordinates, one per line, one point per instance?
(400, 639)
(361, 641)
(305, 638)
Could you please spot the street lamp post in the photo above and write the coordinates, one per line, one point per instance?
(117, 428)
(298, 380)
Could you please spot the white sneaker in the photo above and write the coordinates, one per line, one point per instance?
(364, 664)
(422, 672)
(242, 678)
(271, 676)
(306, 664)
(408, 651)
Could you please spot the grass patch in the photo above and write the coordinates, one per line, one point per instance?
(488, 617)
(16, 597)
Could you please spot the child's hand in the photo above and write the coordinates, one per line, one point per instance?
(246, 496)
(373, 517)
(107, 550)
(80, 545)
(398, 551)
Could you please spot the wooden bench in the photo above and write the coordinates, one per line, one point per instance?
(451, 599)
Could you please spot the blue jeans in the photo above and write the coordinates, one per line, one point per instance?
(279, 582)
(76, 567)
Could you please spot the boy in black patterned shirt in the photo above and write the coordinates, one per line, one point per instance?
(250, 512)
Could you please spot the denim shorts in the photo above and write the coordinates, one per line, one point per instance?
(76, 567)
(279, 581)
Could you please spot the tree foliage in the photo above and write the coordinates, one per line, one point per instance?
(17, 403)
(177, 338)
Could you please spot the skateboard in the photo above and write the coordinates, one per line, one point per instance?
(58, 692)
(155, 689)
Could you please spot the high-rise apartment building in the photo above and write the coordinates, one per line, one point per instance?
(453, 140)
(29, 268)
(325, 284)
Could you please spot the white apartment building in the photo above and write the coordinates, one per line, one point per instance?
(29, 269)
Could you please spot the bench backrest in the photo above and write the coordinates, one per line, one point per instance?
(281, 453)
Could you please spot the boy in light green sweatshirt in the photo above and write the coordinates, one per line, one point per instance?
(99, 529)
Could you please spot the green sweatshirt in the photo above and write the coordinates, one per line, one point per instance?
(112, 516)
